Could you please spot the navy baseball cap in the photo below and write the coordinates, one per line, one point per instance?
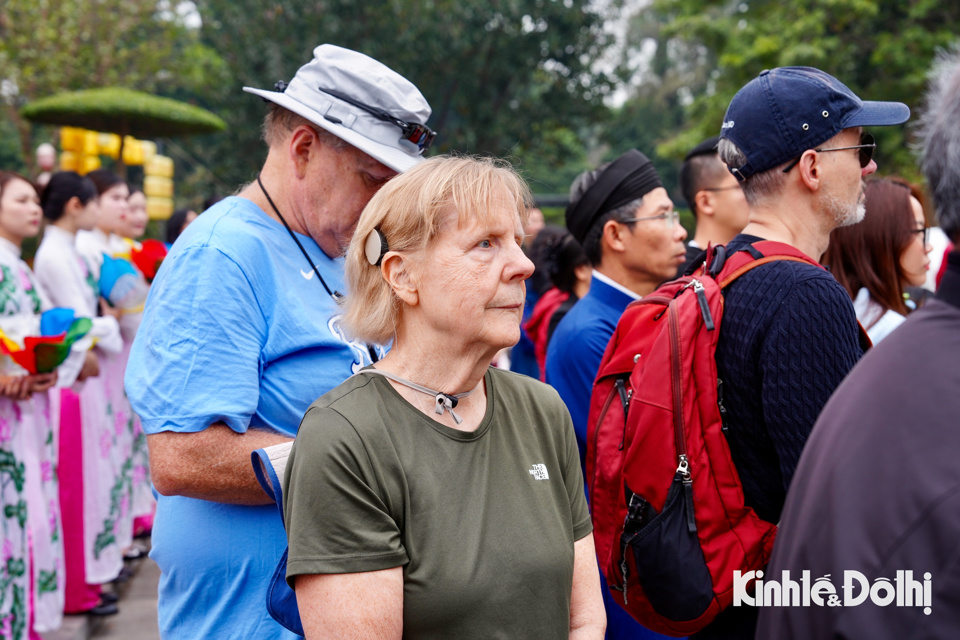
(783, 112)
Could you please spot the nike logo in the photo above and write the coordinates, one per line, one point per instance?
(307, 274)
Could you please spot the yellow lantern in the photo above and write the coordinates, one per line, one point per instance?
(86, 164)
(109, 144)
(159, 166)
(68, 159)
(132, 151)
(91, 143)
(71, 139)
(157, 187)
(149, 150)
(159, 208)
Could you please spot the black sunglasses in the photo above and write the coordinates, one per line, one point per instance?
(867, 146)
(419, 135)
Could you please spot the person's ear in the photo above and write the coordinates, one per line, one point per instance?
(810, 169)
(73, 206)
(704, 203)
(303, 143)
(613, 233)
(583, 272)
(397, 270)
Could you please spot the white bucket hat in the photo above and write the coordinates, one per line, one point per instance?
(362, 102)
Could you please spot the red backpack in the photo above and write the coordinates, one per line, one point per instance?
(669, 518)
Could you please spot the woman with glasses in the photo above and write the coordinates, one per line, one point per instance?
(915, 292)
(877, 259)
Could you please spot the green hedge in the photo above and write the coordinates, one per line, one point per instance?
(123, 111)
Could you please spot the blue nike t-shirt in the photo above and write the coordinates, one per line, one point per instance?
(237, 329)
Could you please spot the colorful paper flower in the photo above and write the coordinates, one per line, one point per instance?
(147, 257)
(59, 329)
(120, 283)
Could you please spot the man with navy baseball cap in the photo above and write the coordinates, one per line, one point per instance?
(889, 515)
(794, 139)
(242, 332)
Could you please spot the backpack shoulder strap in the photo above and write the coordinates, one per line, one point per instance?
(726, 279)
(768, 251)
(758, 254)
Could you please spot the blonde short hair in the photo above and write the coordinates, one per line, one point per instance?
(409, 211)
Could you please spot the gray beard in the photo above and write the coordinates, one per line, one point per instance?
(844, 214)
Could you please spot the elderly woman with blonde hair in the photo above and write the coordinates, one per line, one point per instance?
(431, 495)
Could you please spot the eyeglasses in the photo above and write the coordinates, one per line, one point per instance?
(419, 135)
(926, 234)
(866, 147)
(669, 219)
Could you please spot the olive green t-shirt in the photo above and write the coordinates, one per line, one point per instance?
(482, 523)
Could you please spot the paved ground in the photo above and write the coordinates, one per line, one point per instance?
(137, 619)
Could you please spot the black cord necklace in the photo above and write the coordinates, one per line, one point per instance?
(336, 295)
(442, 401)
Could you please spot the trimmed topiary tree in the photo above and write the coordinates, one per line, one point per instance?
(123, 111)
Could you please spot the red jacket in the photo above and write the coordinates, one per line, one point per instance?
(539, 323)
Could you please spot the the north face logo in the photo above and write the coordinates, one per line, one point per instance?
(539, 472)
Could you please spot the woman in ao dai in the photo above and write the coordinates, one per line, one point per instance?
(89, 512)
(32, 584)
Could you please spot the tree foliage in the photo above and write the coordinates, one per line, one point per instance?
(504, 77)
(514, 78)
(879, 48)
(641, 124)
(123, 111)
(51, 46)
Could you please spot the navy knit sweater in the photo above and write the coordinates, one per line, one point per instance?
(789, 336)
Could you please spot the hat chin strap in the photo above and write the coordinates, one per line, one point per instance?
(443, 401)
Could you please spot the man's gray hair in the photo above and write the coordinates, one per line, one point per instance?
(938, 140)
(759, 188)
(280, 122)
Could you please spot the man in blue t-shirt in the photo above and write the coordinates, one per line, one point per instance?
(793, 138)
(624, 219)
(241, 332)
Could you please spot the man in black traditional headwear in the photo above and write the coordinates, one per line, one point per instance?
(624, 219)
